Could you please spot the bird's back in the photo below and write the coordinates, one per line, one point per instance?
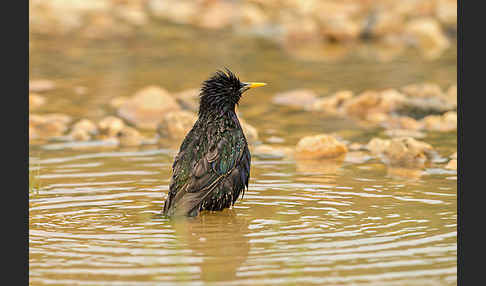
(211, 168)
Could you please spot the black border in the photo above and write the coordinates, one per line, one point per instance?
(460, 199)
(15, 235)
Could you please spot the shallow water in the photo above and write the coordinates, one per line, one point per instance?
(94, 219)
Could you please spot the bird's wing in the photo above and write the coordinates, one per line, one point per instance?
(200, 167)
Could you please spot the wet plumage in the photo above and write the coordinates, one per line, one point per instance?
(212, 167)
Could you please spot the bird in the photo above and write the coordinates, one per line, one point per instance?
(212, 167)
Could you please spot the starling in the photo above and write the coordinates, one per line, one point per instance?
(212, 167)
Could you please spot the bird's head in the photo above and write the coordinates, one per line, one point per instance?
(222, 92)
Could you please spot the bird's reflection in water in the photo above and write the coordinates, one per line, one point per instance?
(220, 238)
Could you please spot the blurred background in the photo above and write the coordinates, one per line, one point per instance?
(98, 51)
(353, 141)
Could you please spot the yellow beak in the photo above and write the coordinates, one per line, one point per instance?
(255, 84)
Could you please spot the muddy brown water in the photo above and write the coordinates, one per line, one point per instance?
(93, 213)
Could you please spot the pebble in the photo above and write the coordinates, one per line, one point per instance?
(181, 11)
(146, 107)
(36, 101)
(332, 104)
(83, 130)
(188, 99)
(452, 165)
(369, 102)
(404, 133)
(130, 137)
(405, 151)
(427, 34)
(402, 122)
(319, 146)
(118, 101)
(79, 135)
(377, 145)
(217, 15)
(110, 126)
(357, 157)
(176, 124)
(41, 85)
(443, 123)
(48, 126)
(355, 146)
(451, 96)
(422, 90)
(454, 156)
(271, 151)
(296, 98)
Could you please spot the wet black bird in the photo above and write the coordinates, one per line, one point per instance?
(212, 167)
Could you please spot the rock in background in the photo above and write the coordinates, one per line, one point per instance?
(425, 24)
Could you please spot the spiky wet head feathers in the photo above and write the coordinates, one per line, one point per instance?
(220, 93)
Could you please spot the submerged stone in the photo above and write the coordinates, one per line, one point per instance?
(451, 96)
(181, 12)
(319, 146)
(355, 146)
(338, 22)
(110, 126)
(297, 98)
(252, 16)
(428, 35)
(299, 30)
(332, 104)
(376, 118)
(370, 102)
(402, 122)
(404, 133)
(41, 85)
(444, 123)
(422, 106)
(217, 15)
(446, 12)
(426, 99)
(188, 99)
(129, 137)
(377, 146)
(405, 151)
(272, 151)
(79, 135)
(422, 90)
(132, 12)
(454, 156)
(36, 101)
(48, 126)
(357, 157)
(145, 108)
(83, 130)
(118, 101)
(452, 165)
(176, 124)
